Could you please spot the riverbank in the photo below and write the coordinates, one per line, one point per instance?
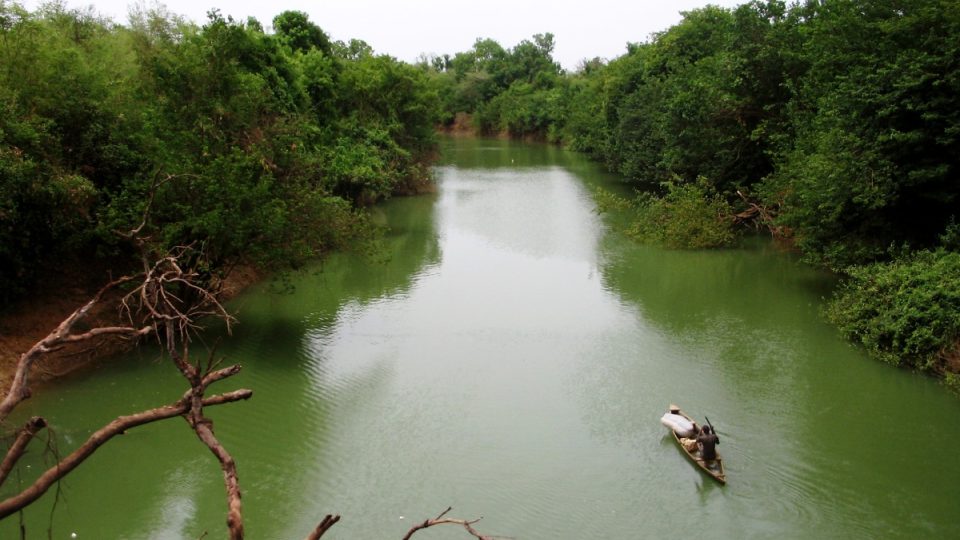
(33, 319)
(463, 126)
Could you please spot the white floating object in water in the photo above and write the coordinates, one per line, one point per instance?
(73, 535)
(401, 517)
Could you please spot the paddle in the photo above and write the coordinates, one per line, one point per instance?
(713, 429)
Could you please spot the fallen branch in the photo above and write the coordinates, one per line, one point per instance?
(203, 426)
(328, 521)
(156, 302)
(101, 436)
(440, 520)
(60, 336)
(760, 216)
(170, 300)
(26, 434)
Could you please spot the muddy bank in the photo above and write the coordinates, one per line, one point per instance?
(31, 319)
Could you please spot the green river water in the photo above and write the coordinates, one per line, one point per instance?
(512, 359)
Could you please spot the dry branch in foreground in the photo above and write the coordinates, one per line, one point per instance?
(440, 520)
(95, 441)
(167, 301)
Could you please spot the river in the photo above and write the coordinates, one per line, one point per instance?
(510, 357)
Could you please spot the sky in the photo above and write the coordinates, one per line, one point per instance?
(582, 29)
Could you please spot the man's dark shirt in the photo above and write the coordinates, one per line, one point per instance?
(708, 445)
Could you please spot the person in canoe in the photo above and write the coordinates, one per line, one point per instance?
(707, 440)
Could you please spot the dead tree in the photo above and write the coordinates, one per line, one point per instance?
(169, 301)
(155, 305)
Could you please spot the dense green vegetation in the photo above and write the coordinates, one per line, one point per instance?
(686, 216)
(906, 311)
(259, 147)
(519, 91)
(833, 123)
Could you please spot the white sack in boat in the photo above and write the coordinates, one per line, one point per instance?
(680, 425)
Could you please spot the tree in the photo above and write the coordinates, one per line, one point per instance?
(297, 32)
(67, 135)
(873, 160)
(517, 90)
(531, 62)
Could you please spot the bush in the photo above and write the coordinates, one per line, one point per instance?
(905, 312)
(952, 382)
(687, 216)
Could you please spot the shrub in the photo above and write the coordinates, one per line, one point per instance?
(687, 216)
(905, 312)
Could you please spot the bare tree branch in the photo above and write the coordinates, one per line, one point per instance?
(220, 374)
(134, 234)
(203, 426)
(440, 520)
(61, 335)
(204, 430)
(760, 215)
(170, 300)
(328, 521)
(101, 436)
(122, 331)
(155, 300)
(26, 434)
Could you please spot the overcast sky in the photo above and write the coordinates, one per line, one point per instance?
(406, 28)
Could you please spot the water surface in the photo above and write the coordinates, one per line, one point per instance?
(511, 360)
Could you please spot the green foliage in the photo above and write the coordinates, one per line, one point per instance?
(257, 147)
(382, 91)
(67, 134)
(950, 239)
(952, 382)
(23, 232)
(519, 91)
(521, 110)
(375, 151)
(874, 156)
(297, 32)
(841, 115)
(687, 216)
(358, 166)
(607, 201)
(585, 122)
(319, 74)
(697, 100)
(905, 312)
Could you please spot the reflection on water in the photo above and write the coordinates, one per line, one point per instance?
(511, 359)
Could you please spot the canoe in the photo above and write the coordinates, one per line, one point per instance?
(714, 468)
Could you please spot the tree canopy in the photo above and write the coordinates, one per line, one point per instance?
(259, 147)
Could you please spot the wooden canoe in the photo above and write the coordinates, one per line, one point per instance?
(715, 467)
